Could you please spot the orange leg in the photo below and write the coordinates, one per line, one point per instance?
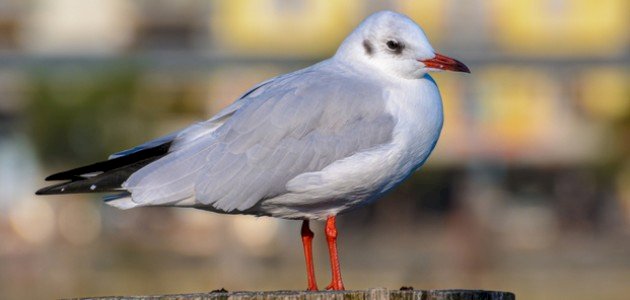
(331, 237)
(307, 242)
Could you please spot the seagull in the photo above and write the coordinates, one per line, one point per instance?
(307, 145)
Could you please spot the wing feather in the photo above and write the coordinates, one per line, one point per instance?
(295, 124)
(309, 127)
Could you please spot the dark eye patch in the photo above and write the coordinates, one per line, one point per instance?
(368, 47)
(395, 46)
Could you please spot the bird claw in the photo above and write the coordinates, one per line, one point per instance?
(312, 288)
(335, 286)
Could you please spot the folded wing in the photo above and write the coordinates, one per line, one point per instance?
(296, 124)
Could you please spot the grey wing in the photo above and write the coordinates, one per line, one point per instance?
(185, 137)
(297, 126)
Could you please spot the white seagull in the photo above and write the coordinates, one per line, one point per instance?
(307, 145)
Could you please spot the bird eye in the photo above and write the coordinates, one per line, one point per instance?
(394, 46)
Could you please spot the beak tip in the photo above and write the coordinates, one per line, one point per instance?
(446, 63)
(461, 67)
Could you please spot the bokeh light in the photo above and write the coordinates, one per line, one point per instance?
(79, 222)
(33, 221)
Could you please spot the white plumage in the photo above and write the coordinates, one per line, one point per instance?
(312, 143)
(304, 145)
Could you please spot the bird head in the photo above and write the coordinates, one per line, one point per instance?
(394, 43)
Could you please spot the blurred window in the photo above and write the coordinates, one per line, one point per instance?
(10, 13)
(77, 27)
(604, 93)
(169, 25)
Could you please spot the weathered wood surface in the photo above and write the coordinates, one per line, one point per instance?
(371, 294)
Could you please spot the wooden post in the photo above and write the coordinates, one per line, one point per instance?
(371, 294)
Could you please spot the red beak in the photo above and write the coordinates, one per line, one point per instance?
(443, 62)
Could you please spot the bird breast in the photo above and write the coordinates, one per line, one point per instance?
(417, 108)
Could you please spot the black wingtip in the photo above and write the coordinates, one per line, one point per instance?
(110, 164)
(104, 176)
(56, 176)
(60, 188)
(49, 190)
(68, 187)
(75, 174)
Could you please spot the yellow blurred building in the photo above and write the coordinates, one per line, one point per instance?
(286, 28)
(562, 27)
(430, 14)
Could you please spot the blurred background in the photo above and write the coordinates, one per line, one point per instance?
(528, 189)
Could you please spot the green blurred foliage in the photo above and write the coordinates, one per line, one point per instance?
(79, 113)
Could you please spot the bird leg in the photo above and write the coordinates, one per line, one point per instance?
(307, 242)
(331, 237)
